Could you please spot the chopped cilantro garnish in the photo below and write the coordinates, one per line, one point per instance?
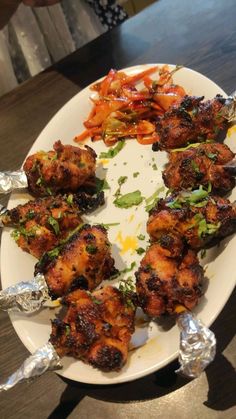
(195, 167)
(121, 181)
(67, 330)
(128, 200)
(135, 174)
(127, 287)
(141, 237)
(109, 225)
(140, 251)
(54, 252)
(69, 199)
(101, 184)
(95, 300)
(186, 148)
(203, 253)
(212, 156)
(39, 181)
(112, 152)
(153, 199)
(205, 228)
(124, 271)
(30, 214)
(154, 166)
(54, 223)
(91, 249)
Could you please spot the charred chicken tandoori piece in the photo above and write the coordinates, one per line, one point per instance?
(191, 121)
(96, 328)
(43, 223)
(165, 280)
(84, 261)
(194, 217)
(65, 168)
(200, 165)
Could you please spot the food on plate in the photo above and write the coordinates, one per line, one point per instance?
(200, 165)
(96, 328)
(190, 121)
(196, 217)
(166, 280)
(123, 109)
(84, 261)
(63, 169)
(43, 223)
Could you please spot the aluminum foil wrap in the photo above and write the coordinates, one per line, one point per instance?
(44, 359)
(229, 109)
(25, 296)
(3, 210)
(197, 345)
(12, 180)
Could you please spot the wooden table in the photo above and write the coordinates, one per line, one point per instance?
(202, 35)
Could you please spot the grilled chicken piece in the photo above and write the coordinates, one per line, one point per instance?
(96, 328)
(66, 168)
(200, 165)
(84, 261)
(191, 121)
(195, 217)
(43, 223)
(164, 280)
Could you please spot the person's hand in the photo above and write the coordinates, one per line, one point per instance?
(40, 3)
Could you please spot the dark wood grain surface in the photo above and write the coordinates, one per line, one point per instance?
(202, 35)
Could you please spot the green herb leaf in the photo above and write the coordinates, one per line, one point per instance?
(112, 152)
(195, 167)
(54, 252)
(132, 266)
(154, 166)
(70, 199)
(67, 330)
(30, 214)
(140, 251)
(54, 223)
(95, 300)
(135, 174)
(109, 225)
(121, 181)
(186, 148)
(101, 184)
(128, 200)
(212, 156)
(141, 237)
(153, 199)
(91, 249)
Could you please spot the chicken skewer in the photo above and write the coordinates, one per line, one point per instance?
(65, 168)
(196, 218)
(194, 121)
(43, 223)
(201, 165)
(166, 279)
(96, 328)
(169, 281)
(83, 262)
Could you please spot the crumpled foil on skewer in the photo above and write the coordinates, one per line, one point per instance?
(25, 296)
(12, 180)
(229, 109)
(44, 359)
(197, 345)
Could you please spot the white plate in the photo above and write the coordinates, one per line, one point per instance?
(162, 345)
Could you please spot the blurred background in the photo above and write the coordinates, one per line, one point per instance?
(33, 38)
